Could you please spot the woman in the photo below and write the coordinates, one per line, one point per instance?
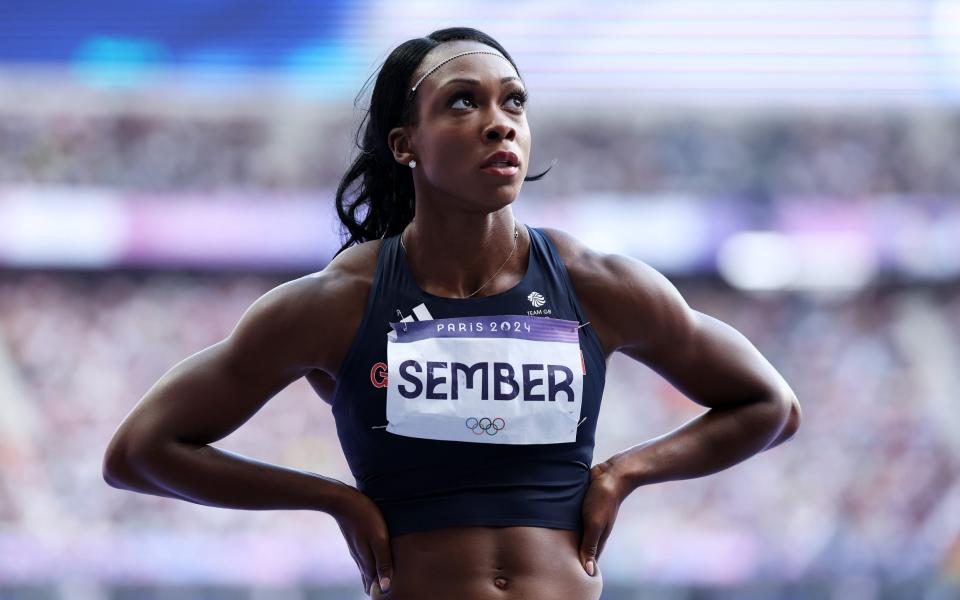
(463, 356)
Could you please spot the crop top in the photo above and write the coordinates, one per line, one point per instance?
(472, 411)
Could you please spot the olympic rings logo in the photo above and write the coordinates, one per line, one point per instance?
(485, 425)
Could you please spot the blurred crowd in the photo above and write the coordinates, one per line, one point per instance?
(869, 485)
(756, 157)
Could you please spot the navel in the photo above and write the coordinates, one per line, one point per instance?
(500, 582)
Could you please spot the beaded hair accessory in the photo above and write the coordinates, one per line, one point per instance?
(424, 76)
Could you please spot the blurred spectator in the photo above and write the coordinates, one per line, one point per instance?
(864, 487)
(758, 158)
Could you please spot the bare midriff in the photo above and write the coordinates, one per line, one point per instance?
(489, 563)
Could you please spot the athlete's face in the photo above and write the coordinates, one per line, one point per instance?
(461, 123)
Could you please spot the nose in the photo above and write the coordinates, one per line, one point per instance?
(499, 129)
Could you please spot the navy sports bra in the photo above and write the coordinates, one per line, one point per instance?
(472, 411)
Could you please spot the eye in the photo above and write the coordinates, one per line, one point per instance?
(458, 97)
(520, 96)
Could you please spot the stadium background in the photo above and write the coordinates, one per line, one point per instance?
(790, 165)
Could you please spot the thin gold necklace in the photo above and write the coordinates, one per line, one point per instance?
(516, 234)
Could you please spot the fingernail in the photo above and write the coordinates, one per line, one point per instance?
(590, 567)
(385, 584)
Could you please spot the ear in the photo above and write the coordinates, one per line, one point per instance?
(398, 140)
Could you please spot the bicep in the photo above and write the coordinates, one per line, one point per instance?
(208, 395)
(709, 361)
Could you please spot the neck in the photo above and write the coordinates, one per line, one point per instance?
(454, 255)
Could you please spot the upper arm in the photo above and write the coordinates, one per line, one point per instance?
(708, 360)
(278, 339)
(638, 311)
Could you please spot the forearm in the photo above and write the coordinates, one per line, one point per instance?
(214, 477)
(711, 442)
(135, 482)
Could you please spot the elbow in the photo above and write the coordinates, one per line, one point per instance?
(114, 464)
(791, 422)
(118, 467)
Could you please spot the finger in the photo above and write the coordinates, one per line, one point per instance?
(356, 561)
(366, 583)
(364, 578)
(589, 544)
(603, 538)
(384, 562)
(368, 568)
(607, 530)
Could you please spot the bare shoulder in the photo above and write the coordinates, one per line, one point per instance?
(333, 300)
(356, 261)
(616, 290)
(347, 281)
(297, 328)
(636, 310)
(575, 254)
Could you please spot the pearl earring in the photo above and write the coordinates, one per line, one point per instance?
(412, 164)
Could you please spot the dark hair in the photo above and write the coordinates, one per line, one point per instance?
(386, 187)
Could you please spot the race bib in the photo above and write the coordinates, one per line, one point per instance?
(505, 379)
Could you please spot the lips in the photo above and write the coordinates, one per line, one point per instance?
(501, 159)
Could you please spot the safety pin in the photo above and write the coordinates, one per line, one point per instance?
(379, 426)
(400, 314)
(578, 425)
(584, 325)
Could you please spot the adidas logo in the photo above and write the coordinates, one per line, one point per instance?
(420, 312)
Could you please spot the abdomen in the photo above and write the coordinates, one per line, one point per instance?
(490, 563)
